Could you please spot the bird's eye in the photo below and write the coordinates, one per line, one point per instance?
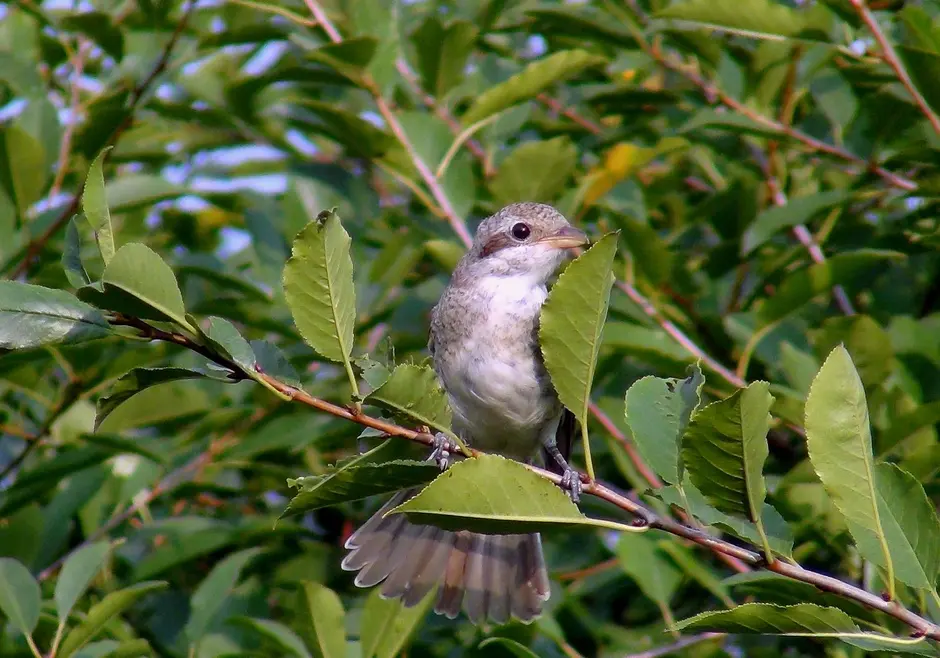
(520, 231)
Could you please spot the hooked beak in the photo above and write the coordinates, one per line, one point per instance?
(568, 237)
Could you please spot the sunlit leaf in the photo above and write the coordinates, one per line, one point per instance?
(327, 619)
(413, 394)
(95, 207)
(32, 315)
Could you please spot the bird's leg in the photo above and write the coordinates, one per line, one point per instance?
(571, 479)
(443, 446)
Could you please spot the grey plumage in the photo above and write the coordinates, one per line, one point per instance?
(484, 342)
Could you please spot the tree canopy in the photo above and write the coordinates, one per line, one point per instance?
(225, 224)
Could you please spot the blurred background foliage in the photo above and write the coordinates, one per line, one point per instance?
(772, 167)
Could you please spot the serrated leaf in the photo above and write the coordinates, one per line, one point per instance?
(570, 327)
(912, 530)
(532, 80)
(442, 53)
(318, 284)
(657, 577)
(803, 619)
(95, 206)
(776, 528)
(413, 394)
(213, 591)
(535, 171)
(327, 619)
(724, 449)
(797, 211)
(270, 360)
(135, 381)
(657, 412)
(102, 612)
(387, 625)
(31, 316)
(77, 573)
(493, 495)
(224, 336)
(359, 478)
(838, 438)
(72, 256)
(20, 597)
(139, 283)
(819, 278)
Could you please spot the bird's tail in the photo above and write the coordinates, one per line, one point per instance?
(492, 576)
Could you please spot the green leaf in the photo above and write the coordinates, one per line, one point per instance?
(77, 573)
(413, 394)
(270, 360)
(724, 450)
(838, 437)
(494, 495)
(20, 597)
(738, 123)
(95, 207)
(572, 320)
(31, 316)
(803, 619)
(318, 284)
(908, 424)
(797, 211)
(764, 19)
(818, 279)
(134, 191)
(102, 612)
(911, 527)
(358, 135)
(657, 412)
(387, 625)
(657, 577)
(867, 342)
(535, 171)
(278, 634)
(327, 619)
(442, 53)
(366, 475)
(207, 600)
(921, 54)
(349, 57)
(72, 256)
(696, 569)
(776, 528)
(23, 172)
(97, 25)
(532, 80)
(139, 283)
(513, 647)
(224, 337)
(135, 381)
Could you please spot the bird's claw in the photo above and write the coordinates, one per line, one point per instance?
(443, 446)
(571, 483)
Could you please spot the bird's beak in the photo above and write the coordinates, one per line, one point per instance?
(568, 237)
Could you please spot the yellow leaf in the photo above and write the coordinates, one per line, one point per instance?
(620, 162)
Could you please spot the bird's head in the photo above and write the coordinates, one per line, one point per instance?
(522, 239)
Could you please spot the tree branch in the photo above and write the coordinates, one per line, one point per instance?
(891, 59)
(643, 516)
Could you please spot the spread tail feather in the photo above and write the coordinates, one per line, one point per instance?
(492, 577)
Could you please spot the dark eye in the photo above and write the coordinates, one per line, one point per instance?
(520, 231)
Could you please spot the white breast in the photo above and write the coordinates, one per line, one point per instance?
(496, 384)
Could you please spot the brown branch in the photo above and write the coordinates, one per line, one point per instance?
(643, 516)
(36, 245)
(891, 58)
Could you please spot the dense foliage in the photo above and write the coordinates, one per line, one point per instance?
(224, 224)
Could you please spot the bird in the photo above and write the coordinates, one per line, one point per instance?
(484, 345)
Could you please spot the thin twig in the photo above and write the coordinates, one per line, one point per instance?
(643, 516)
(891, 59)
(65, 147)
(36, 245)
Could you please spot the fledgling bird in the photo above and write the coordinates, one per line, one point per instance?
(484, 343)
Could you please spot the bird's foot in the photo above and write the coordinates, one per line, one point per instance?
(571, 483)
(443, 447)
